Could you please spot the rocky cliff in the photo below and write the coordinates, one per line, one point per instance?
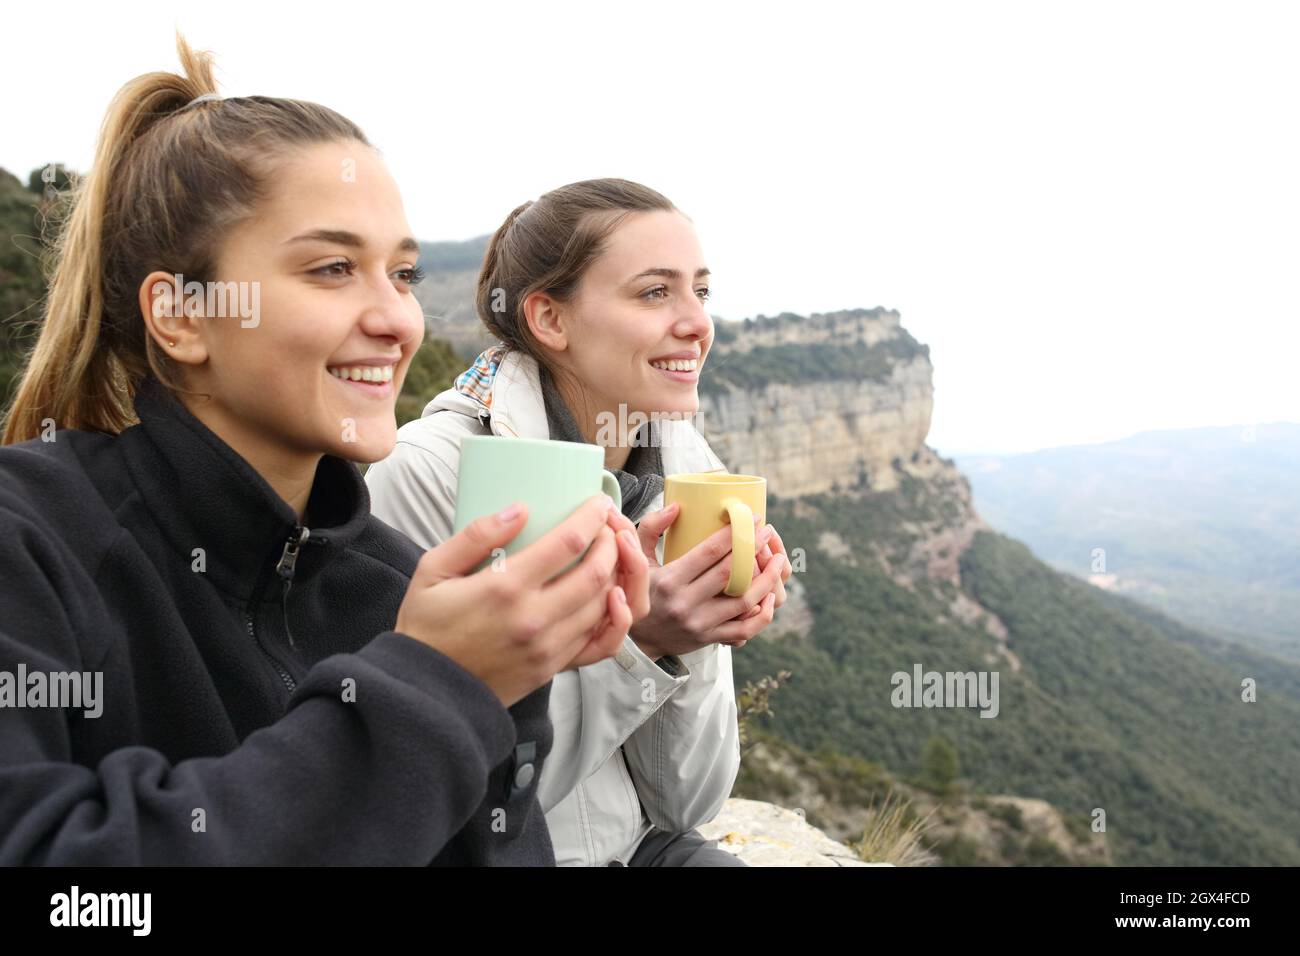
(840, 403)
(826, 403)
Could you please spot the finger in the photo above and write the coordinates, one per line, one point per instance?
(758, 608)
(558, 548)
(765, 556)
(607, 635)
(653, 526)
(591, 579)
(766, 583)
(707, 586)
(704, 556)
(743, 630)
(634, 568)
(576, 633)
(610, 637)
(777, 545)
(620, 522)
(723, 610)
(463, 551)
(619, 622)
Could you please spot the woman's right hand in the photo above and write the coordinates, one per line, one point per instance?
(509, 624)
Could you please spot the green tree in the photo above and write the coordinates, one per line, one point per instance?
(433, 369)
(22, 283)
(939, 765)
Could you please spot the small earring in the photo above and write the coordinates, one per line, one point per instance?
(171, 344)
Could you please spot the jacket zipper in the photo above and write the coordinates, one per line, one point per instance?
(289, 682)
(285, 568)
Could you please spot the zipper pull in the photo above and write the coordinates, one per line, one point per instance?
(285, 569)
(290, 555)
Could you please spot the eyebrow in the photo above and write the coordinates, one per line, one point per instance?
(342, 237)
(668, 274)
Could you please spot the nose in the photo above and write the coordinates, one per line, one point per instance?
(390, 313)
(694, 321)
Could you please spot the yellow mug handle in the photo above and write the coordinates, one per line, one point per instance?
(742, 546)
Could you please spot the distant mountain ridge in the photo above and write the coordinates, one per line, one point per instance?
(447, 293)
(1201, 523)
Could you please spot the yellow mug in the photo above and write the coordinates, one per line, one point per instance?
(710, 501)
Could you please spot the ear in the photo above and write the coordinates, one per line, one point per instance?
(171, 320)
(546, 321)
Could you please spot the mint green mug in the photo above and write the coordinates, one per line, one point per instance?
(552, 478)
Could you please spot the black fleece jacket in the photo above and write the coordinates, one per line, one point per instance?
(257, 705)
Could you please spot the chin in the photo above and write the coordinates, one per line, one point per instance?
(369, 442)
(363, 453)
(678, 404)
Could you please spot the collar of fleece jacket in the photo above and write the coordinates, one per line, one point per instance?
(202, 494)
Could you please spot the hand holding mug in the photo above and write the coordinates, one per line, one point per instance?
(517, 624)
(688, 606)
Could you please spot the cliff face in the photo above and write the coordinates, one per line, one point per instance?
(848, 326)
(840, 404)
(828, 430)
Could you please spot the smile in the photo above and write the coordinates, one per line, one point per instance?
(677, 365)
(679, 370)
(363, 373)
(374, 379)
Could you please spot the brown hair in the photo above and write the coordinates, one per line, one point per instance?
(546, 246)
(168, 180)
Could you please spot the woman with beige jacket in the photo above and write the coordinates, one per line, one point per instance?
(596, 293)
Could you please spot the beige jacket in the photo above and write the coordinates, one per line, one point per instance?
(634, 747)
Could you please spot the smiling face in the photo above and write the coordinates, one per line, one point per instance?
(318, 369)
(636, 330)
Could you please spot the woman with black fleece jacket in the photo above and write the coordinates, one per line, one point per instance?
(210, 651)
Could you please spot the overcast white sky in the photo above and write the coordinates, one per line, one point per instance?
(1089, 211)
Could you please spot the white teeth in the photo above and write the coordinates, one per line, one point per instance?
(677, 365)
(363, 373)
